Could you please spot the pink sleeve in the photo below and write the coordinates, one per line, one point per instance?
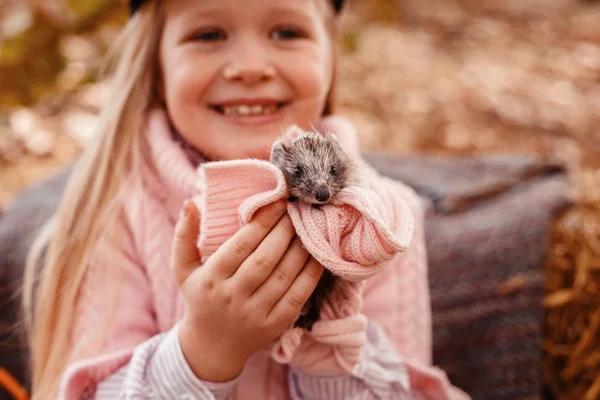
(398, 297)
(132, 359)
(380, 374)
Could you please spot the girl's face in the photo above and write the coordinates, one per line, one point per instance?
(236, 73)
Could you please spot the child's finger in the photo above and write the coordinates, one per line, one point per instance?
(259, 265)
(227, 259)
(282, 277)
(288, 307)
(185, 254)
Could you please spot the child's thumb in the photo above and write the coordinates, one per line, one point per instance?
(185, 256)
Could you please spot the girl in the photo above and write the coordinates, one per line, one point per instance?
(126, 309)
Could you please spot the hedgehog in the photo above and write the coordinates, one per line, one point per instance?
(316, 169)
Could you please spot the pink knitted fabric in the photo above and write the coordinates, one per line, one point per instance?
(352, 238)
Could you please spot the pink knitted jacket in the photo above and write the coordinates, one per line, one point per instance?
(140, 352)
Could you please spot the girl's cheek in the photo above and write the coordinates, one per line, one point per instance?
(317, 64)
(313, 83)
(315, 72)
(187, 83)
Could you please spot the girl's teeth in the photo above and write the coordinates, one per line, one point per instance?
(250, 110)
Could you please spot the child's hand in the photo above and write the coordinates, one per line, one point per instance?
(247, 293)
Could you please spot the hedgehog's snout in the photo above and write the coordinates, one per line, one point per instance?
(322, 195)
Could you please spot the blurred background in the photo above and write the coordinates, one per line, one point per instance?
(436, 76)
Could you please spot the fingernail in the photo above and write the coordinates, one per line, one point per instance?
(186, 208)
(281, 206)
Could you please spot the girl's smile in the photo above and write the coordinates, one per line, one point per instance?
(252, 111)
(235, 73)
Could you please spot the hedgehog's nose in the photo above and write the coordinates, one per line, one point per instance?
(322, 195)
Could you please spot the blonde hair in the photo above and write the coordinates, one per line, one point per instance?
(91, 195)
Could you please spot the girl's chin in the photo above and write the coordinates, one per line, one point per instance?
(233, 149)
(238, 143)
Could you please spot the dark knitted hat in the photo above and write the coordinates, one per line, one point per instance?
(135, 4)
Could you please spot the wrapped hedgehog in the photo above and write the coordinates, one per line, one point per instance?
(342, 223)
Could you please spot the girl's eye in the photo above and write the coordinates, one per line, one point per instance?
(333, 170)
(298, 172)
(286, 34)
(213, 35)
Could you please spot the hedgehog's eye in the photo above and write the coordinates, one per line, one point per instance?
(333, 170)
(298, 172)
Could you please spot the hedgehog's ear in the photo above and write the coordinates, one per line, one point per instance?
(333, 137)
(278, 150)
(293, 132)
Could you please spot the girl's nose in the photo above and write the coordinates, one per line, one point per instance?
(249, 72)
